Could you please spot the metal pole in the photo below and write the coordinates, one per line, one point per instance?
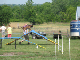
(62, 44)
(0, 43)
(69, 47)
(15, 43)
(67, 33)
(58, 42)
(55, 47)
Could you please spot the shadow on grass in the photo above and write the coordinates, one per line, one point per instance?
(45, 44)
(75, 38)
(32, 44)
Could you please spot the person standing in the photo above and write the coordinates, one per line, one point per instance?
(9, 31)
(3, 28)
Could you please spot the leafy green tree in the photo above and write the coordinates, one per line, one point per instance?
(6, 14)
(22, 11)
(71, 13)
(0, 15)
(16, 12)
(44, 11)
(57, 11)
(74, 3)
(29, 12)
(39, 18)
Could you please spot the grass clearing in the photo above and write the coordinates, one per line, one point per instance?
(30, 52)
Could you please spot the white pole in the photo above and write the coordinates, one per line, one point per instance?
(69, 46)
(62, 44)
(58, 42)
(76, 15)
(55, 47)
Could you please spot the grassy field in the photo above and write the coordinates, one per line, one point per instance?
(30, 52)
(50, 27)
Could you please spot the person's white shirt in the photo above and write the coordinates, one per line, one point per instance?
(3, 28)
(25, 31)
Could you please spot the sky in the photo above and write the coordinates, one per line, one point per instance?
(23, 1)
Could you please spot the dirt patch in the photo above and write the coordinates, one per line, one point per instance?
(12, 54)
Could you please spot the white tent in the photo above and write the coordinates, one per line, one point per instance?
(78, 13)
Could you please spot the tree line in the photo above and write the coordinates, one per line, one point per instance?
(57, 11)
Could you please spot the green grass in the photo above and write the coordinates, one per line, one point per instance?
(30, 52)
